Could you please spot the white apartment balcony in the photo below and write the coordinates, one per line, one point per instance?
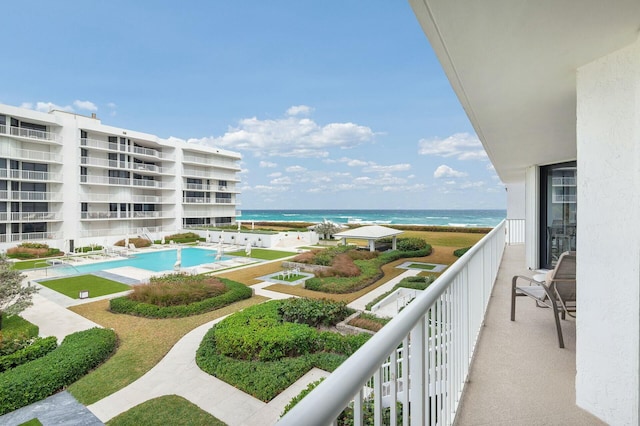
(116, 147)
(212, 162)
(465, 366)
(32, 236)
(125, 198)
(209, 188)
(203, 200)
(106, 180)
(123, 165)
(102, 215)
(105, 232)
(30, 134)
(210, 174)
(30, 175)
(33, 196)
(30, 217)
(28, 154)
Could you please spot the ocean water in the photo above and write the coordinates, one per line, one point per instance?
(467, 218)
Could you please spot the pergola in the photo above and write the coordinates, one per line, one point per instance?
(370, 233)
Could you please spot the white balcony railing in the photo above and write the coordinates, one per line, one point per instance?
(564, 198)
(214, 162)
(36, 236)
(3, 128)
(563, 181)
(438, 329)
(35, 196)
(29, 217)
(97, 215)
(34, 134)
(515, 229)
(125, 198)
(32, 175)
(4, 195)
(29, 154)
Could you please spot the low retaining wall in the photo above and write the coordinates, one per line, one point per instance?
(344, 327)
(305, 267)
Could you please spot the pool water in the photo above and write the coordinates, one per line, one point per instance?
(152, 261)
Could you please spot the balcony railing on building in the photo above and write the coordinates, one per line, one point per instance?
(34, 196)
(33, 134)
(112, 146)
(125, 198)
(99, 215)
(29, 154)
(212, 162)
(106, 232)
(414, 369)
(29, 217)
(35, 236)
(31, 175)
(108, 180)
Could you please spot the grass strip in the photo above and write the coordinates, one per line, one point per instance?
(262, 254)
(425, 266)
(166, 410)
(97, 286)
(143, 343)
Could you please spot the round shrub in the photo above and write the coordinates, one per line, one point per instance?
(78, 354)
(313, 312)
(459, 252)
(411, 244)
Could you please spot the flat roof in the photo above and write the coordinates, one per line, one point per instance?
(372, 232)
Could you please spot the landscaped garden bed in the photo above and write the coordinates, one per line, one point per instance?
(137, 242)
(416, 283)
(264, 349)
(351, 269)
(39, 378)
(179, 295)
(32, 251)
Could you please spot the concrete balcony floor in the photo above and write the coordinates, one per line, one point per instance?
(519, 375)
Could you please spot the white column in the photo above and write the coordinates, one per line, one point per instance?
(608, 245)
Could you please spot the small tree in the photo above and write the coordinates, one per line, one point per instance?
(326, 228)
(14, 297)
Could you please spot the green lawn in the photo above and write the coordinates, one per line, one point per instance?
(30, 264)
(263, 254)
(426, 266)
(97, 286)
(165, 410)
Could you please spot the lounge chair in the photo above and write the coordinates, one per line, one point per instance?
(557, 291)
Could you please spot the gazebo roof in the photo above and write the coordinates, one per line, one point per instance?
(373, 232)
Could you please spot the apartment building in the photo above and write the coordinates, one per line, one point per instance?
(69, 180)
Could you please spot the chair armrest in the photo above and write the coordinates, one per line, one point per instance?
(524, 277)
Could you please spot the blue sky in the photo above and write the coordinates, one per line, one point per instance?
(332, 104)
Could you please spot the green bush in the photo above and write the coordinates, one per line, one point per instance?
(17, 333)
(39, 348)
(177, 289)
(87, 249)
(258, 352)
(313, 312)
(459, 252)
(185, 237)
(411, 244)
(311, 386)
(77, 354)
(235, 291)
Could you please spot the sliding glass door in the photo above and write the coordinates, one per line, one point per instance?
(558, 212)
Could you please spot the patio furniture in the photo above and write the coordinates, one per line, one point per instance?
(557, 291)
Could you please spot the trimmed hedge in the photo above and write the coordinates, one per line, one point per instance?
(459, 252)
(309, 311)
(236, 291)
(371, 272)
(39, 348)
(16, 333)
(259, 353)
(77, 354)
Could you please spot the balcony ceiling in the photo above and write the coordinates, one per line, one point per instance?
(513, 66)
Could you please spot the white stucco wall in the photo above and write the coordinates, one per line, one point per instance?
(608, 246)
(532, 223)
(515, 200)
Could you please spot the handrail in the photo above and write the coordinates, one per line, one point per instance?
(411, 328)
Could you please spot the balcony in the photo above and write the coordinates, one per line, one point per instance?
(107, 180)
(30, 217)
(29, 154)
(124, 165)
(102, 215)
(34, 134)
(35, 236)
(518, 374)
(30, 175)
(116, 147)
(33, 196)
(212, 162)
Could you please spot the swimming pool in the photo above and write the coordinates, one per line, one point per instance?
(153, 261)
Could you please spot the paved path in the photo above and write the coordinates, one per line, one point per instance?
(361, 303)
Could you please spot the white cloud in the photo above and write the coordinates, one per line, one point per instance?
(386, 169)
(295, 169)
(284, 180)
(418, 187)
(446, 171)
(299, 110)
(267, 164)
(45, 106)
(85, 105)
(468, 185)
(265, 189)
(274, 175)
(462, 146)
(111, 105)
(289, 137)
(26, 105)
